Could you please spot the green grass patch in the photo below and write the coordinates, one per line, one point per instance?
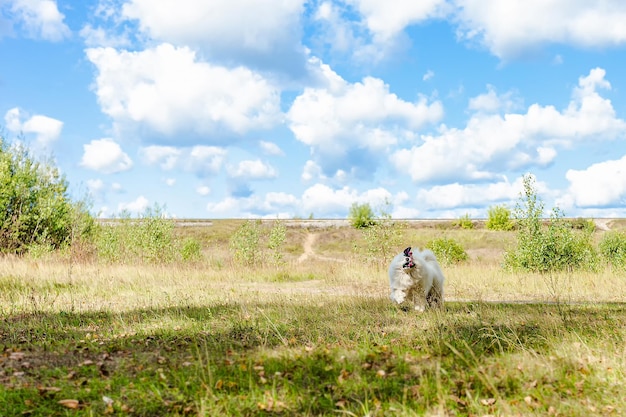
(322, 356)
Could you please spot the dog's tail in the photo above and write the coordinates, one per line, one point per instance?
(428, 255)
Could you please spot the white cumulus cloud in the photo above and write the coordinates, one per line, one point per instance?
(258, 34)
(349, 123)
(271, 148)
(45, 129)
(319, 116)
(385, 19)
(200, 160)
(490, 142)
(137, 206)
(203, 190)
(600, 185)
(40, 19)
(252, 170)
(324, 201)
(510, 28)
(105, 156)
(457, 195)
(167, 90)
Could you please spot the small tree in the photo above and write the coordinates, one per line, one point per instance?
(35, 208)
(361, 215)
(554, 247)
(276, 240)
(499, 218)
(383, 238)
(245, 242)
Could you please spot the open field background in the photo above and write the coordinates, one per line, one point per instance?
(312, 335)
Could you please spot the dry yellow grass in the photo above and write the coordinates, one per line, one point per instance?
(58, 285)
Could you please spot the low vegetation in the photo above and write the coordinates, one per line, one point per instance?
(318, 338)
(361, 215)
(465, 222)
(447, 250)
(35, 210)
(547, 248)
(499, 218)
(612, 247)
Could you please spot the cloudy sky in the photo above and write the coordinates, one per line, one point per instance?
(296, 108)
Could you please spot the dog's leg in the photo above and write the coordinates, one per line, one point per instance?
(398, 296)
(435, 297)
(419, 300)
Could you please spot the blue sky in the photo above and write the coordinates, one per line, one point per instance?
(294, 108)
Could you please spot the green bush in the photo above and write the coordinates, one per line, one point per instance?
(245, 242)
(499, 218)
(382, 240)
(191, 250)
(448, 251)
(465, 222)
(276, 241)
(148, 238)
(612, 247)
(583, 224)
(550, 247)
(361, 215)
(35, 209)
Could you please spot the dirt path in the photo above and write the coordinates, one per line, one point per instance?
(307, 246)
(602, 224)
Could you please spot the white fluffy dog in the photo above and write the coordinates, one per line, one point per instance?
(416, 277)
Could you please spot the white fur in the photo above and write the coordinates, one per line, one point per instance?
(421, 284)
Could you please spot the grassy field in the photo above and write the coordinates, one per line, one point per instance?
(313, 336)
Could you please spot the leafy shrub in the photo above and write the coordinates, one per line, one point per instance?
(35, 209)
(499, 218)
(612, 247)
(465, 222)
(579, 223)
(148, 238)
(276, 240)
(382, 240)
(191, 250)
(547, 248)
(361, 216)
(245, 242)
(448, 251)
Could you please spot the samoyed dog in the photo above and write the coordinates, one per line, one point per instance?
(415, 277)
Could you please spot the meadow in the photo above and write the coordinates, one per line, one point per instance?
(311, 333)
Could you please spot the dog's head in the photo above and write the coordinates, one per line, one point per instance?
(408, 259)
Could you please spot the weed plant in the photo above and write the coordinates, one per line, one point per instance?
(612, 247)
(448, 251)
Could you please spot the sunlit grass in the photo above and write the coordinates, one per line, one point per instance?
(313, 338)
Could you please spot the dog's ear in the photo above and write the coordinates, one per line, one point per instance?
(407, 251)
